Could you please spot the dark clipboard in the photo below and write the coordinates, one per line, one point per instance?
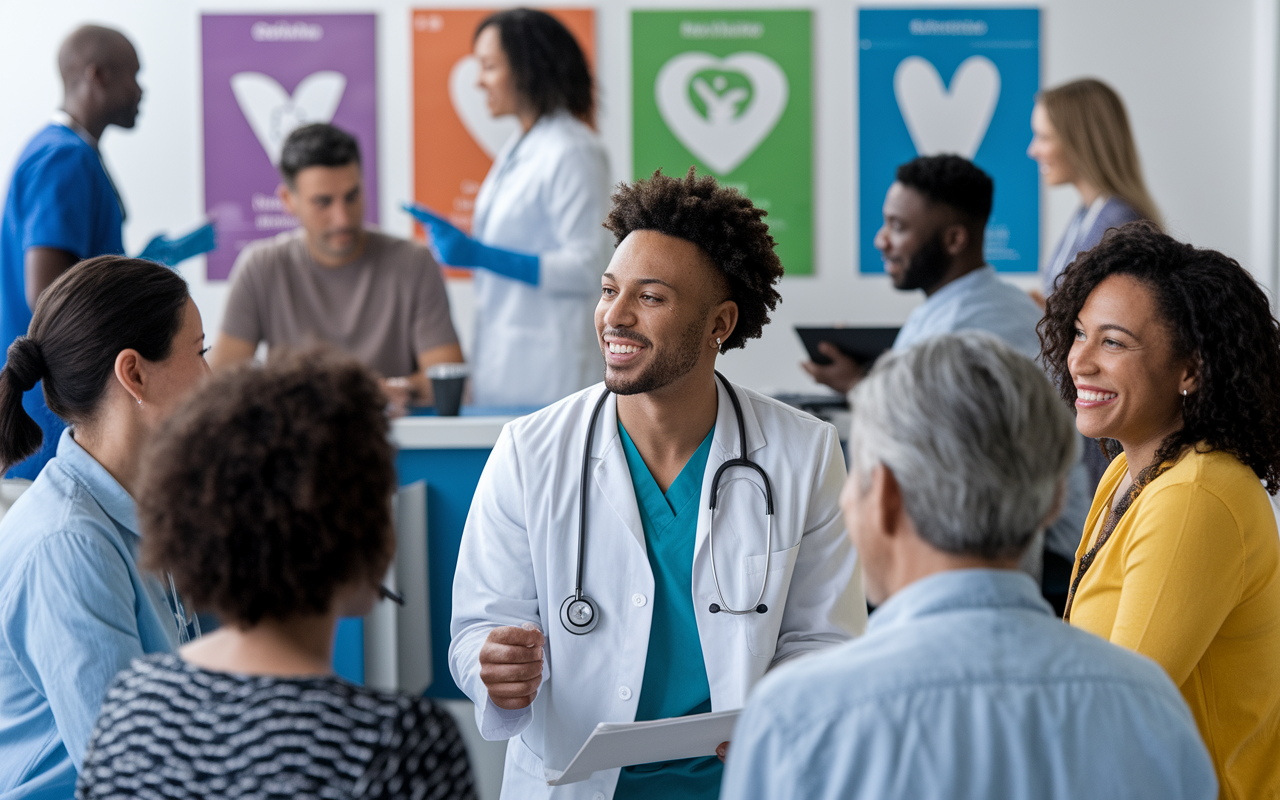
(863, 345)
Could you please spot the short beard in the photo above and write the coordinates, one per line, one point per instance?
(668, 366)
(927, 265)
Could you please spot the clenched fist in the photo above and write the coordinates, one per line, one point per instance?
(511, 665)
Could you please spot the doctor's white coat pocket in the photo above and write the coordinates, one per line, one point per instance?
(762, 629)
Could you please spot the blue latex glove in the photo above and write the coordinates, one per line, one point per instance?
(455, 248)
(172, 252)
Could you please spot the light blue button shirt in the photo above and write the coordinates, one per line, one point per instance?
(980, 301)
(965, 686)
(977, 301)
(74, 610)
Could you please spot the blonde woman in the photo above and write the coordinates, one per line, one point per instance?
(1081, 136)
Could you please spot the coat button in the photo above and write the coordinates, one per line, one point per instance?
(638, 600)
(624, 693)
(597, 796)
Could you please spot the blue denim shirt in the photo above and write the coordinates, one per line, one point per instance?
(74, 610)
(965, 686)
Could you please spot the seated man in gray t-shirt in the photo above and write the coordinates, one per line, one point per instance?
(378, 297)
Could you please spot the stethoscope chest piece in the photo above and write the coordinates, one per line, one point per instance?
(579, 614)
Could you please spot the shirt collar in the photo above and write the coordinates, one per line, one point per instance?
(104, 489)
(958, 589)
(64, 119)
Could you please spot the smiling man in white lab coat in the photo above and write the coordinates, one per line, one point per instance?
(692, 277)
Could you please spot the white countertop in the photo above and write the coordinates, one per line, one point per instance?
(447, 433)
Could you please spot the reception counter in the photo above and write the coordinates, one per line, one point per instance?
(438, 465)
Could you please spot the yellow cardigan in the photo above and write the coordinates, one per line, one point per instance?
(1191, 578)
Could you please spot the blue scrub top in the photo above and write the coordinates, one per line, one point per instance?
(60, 196)
(675, 676)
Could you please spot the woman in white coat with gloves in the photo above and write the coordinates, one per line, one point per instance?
(665, 615)
(538, 247)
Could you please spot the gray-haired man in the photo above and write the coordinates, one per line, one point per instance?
(964, 685)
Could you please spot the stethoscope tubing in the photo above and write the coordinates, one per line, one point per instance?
(579, 604)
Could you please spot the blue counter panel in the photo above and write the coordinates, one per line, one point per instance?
(451, 476)
(348, 649)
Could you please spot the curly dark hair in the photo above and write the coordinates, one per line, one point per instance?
(724, 223)
(271, 489)
(1217, 315)
(952, 181)
(547, 64)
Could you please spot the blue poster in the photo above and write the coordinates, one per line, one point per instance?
(934, 81)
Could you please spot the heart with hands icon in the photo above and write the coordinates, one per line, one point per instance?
(721, 109)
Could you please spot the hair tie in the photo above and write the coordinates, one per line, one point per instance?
(25, 362)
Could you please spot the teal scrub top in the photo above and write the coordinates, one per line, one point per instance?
(675, 676)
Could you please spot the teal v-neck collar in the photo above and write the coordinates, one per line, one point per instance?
(663, 509)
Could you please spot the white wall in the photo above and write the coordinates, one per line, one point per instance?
(1198, 78)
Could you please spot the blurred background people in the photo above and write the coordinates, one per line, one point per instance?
(62, 205)
(1171, 355)
(118, 345)
(538, 247)
(935, 215)
(378, 297)
(1080, 135)
(964, 685)
(282, 477)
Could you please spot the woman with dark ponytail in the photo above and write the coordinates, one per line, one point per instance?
(119, 345)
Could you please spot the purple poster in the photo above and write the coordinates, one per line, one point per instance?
(265, 75)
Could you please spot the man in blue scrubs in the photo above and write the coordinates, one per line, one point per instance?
(62, 205)
(693, 277)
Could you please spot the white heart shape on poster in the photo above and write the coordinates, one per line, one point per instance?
(733, 120)
(472, 107)
(942, 120)
(273, 114)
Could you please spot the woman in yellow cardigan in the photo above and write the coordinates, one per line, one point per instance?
(1170, 354)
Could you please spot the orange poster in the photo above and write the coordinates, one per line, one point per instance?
(454, 138)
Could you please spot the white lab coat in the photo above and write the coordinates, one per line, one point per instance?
(547, 194)
(517, 560)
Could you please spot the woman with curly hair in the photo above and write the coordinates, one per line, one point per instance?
(1171, 357)
(267, 498)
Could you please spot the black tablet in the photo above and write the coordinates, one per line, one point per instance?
(863, 345)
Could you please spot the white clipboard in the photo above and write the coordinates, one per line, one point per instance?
(625, 744)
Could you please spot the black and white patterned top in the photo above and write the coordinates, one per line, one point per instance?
(172, 730)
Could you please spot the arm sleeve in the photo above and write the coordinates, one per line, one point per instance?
(1183, 573)
(577, 204)
(432, 325)
(424, 757)
(825, 602)
(59, 202)
(243, 315)
(80, 629)
(494, 584)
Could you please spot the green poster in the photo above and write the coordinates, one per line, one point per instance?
(730, 92)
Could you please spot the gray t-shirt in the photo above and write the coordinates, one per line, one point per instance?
(384, 308)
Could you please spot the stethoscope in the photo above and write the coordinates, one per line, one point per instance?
(579, 613)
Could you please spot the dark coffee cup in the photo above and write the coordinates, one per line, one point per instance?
(447, 383)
